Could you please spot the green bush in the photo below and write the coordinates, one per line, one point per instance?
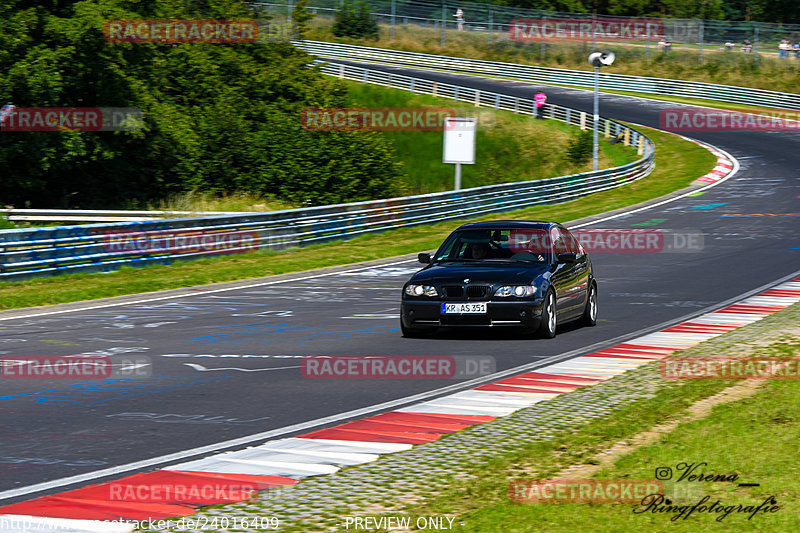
(579, 149)
(354, 20)
(6, 224)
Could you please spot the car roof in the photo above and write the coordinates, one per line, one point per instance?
(508, 224)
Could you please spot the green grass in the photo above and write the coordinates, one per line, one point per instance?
(678, 163)
(509, 147)
(754, 438)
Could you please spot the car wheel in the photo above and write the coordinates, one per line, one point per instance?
(547, 327)
(409, 333)
(590, 313)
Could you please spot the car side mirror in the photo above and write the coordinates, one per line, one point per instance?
(567, 257)
(425, 258)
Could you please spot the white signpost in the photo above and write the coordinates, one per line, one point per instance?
(459, 143)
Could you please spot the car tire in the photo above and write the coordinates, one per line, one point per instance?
(589, 317)
(547, 327)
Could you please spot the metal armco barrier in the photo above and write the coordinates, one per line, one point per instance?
(28, 253)
(100, 215)
(554, 76)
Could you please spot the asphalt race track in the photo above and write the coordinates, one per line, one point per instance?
(226, 364)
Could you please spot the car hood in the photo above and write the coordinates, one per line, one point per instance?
(481, 273)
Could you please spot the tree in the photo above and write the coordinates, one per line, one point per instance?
(355, 20)
(217, 117)
(300, 19)
(579, 149)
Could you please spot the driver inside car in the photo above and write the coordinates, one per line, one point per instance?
(478, 250)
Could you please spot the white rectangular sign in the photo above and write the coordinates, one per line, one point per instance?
(459, 140)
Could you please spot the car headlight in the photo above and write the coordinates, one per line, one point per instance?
(420, 290)
(520, 291)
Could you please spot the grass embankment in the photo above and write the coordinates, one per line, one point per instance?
(727, 68)
(202, 201)
(509, 147)
(749, 430)
(678, 162)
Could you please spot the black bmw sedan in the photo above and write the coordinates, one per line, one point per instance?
(532, 275)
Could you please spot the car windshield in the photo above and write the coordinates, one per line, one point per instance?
(526, 245)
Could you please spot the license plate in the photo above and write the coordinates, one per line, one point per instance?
(464, 309)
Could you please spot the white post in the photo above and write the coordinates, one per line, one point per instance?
(457, 185)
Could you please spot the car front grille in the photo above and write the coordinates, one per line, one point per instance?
(472, 292)
(453, 291)
(477, 291)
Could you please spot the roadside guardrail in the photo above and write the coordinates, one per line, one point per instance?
(98, 215)
(32, 252)
(554, 76)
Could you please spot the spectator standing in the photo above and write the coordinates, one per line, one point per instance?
(540, 98)
(783, 49)
(796, 49)
(747, 46)
(460, 18)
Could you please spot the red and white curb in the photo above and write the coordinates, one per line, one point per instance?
(723, 167)
(227, 477)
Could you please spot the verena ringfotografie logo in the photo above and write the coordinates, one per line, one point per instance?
(162, 31)
(702, 119)
(604, 240)
(72, 118)
(73, 366)
(181, 242)
(730, 368)
(583, 490)
(375, 118)
(396, 367)
(555, 29)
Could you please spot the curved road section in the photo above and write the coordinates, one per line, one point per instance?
(216, 368)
